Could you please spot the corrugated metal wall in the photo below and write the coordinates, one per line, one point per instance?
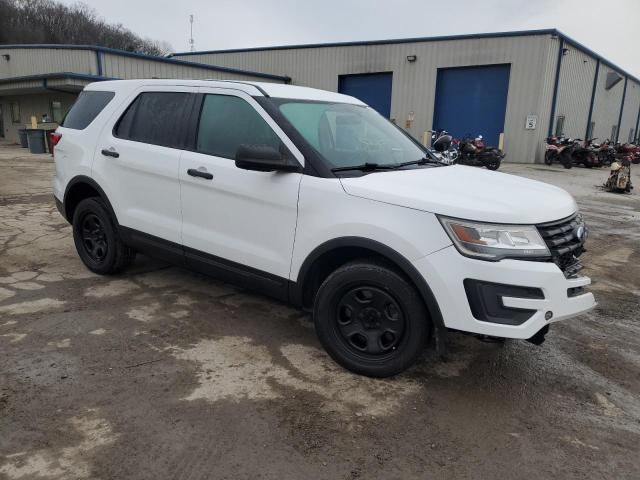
(574, 92)
(607, 104)
(35, 61)
(414, 83)
(123, 67)
(630, 112)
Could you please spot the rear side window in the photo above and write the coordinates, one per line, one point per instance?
(226, 122)
(155, 118)
(87, 107)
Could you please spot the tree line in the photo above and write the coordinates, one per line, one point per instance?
(46, 21)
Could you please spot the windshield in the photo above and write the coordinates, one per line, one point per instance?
(348, 135)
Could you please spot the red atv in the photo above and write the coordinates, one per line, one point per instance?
(558, 149)
(629, 150)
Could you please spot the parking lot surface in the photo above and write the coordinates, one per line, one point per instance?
(163, 373)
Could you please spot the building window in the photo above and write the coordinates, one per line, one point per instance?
(614, 131)
(592, 128)
(560, 126)
(56, 111)
(15, 112)
(631, 132)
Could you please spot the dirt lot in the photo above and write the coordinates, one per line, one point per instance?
(162, 373)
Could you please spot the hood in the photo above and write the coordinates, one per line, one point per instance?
(466, 192)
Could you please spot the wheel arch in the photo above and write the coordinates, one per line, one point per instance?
(79, 188)
(345, 249)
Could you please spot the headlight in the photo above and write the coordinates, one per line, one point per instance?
(488, 241)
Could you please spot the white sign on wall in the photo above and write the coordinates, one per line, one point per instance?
(531, 122)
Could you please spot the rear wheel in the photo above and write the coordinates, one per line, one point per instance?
(96, 238)
(370, 319)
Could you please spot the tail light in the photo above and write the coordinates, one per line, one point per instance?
(55, 138)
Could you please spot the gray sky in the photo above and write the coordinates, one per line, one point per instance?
(610, 27)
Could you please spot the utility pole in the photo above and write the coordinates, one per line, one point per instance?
(191, 37)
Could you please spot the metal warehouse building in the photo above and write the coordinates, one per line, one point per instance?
(39, 80)
(518, 87)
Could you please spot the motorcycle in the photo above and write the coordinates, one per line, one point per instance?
(442, 144)
(559, 149)
(619, 180)
(475, 152)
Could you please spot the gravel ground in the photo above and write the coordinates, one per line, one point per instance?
(163, 373)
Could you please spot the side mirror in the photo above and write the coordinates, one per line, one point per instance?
(264, 158)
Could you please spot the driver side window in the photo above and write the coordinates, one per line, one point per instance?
(226, 122)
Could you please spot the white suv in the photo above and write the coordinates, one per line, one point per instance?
(313, 198)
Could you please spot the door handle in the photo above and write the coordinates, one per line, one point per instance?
(199, 173)
(110, 153)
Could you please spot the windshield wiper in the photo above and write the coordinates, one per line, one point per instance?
(422, 161)
(365, 167)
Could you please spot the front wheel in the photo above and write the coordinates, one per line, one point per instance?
(493, 163)
(549, 157)
(566, 160)
(370, 319)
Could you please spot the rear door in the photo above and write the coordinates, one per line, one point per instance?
(138, 161)
(239, 222)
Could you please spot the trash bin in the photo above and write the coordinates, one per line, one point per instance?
(47, 134)
(22, 133)
(35, 138)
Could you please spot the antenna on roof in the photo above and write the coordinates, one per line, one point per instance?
(191, 42)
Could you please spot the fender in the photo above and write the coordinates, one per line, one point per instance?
(91, 182)
(296, 288)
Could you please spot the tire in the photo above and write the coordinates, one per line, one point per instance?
(370, 319)
(493, 164)
(550, 156)
(96, 238)
(566, 160)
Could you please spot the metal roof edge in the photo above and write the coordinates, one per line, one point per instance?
(50, 76)
(520, 33)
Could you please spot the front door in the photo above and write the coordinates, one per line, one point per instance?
(238, 222)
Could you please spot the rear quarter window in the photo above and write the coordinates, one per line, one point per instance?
(155, 118)
(87, 107)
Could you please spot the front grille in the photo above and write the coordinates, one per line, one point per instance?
(564, 243)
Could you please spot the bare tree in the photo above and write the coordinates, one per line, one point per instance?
(46, 21)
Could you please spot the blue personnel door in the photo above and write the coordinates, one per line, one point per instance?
(374, 89)
(472, 101)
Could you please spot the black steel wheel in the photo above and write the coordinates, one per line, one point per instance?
(370, 319)
(96, 238)
(93, 237)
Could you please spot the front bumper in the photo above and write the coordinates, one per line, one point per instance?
(446, 270)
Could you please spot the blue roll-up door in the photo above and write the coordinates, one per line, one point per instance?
(472, 101)
(374, 89)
